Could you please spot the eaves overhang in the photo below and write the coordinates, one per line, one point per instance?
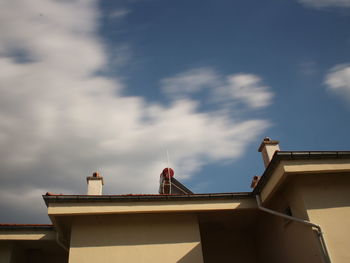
(27, 232)
(135, 197)
(280, 156)
(75, 205)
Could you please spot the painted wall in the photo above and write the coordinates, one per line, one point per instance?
(5, 251)
(135, 238)
(28, 251)
(228, 237)
(279, 240)
(327, 200)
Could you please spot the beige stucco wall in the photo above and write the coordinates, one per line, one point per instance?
(94, 208)
(316, 190)
(5, 251)
(228, 237)
(327, 200)
(136, 238)
(31, 251)
(28, 235)
(279, 240)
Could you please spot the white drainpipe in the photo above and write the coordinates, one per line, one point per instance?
(305, 222)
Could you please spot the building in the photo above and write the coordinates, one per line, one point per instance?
(298, 211)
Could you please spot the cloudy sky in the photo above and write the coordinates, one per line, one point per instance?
(110, 86)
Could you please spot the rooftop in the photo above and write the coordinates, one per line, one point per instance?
(277, 157)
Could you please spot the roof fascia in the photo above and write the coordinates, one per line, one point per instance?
(146, 198)
(287, 163)
(16, 233)
(127, 207)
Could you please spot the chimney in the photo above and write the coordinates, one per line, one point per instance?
(267, 148)
(94, 183)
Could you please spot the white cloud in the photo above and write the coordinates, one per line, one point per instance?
(119, 13)
(249, 89)
(189, 82)
(60, 121)
(338, 80)
(326, 3)
(244, 88)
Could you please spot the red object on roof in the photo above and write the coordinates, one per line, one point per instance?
(166, 172)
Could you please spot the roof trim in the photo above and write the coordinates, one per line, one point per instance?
(296, 155)
(151, 197)
(26, 226)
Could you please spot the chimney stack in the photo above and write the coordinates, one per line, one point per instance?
(267, 148)
(94, 183)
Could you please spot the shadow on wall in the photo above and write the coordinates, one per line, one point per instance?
(194, 256)
(229, 236)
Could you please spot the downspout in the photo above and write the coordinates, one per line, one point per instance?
(305, 222)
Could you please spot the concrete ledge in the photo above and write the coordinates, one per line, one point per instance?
(92, 208)
(24, 234)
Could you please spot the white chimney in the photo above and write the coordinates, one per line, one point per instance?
(267, 148)
(94, 183)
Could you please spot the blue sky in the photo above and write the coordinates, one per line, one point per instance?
(111, 85)
(291, 45)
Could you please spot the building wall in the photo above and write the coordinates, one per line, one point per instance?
(6, 251)
(228, 236)
(28, 251)
(228, 245)
(135, 238)
(279, 240)
(327, 200)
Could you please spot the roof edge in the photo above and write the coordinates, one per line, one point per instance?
(296, 155)
(7, 226)
(126, 198)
